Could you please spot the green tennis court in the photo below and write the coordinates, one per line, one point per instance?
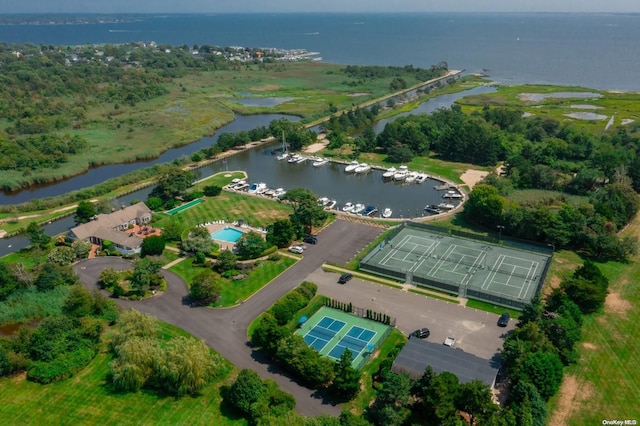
(467, 267)
(331, 332)
(184, 207)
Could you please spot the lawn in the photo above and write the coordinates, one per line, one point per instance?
(234, 291)
(230, 206)
(88, 398)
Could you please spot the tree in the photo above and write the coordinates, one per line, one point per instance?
(198, 241)
(136, 358)
(78, 302)
(152, 246)
(346, 380)
(586, 294)
(226, 261)
(185, 367)
(81, 249)
(144, 275)
(173, 181)
(204, 289)
(485, 205)
(212, 190)
(544, 371)
(250, 245)
(392, 400)
(246, 390)
(474, 398)
(133, 323)
(281, 233)
(62, 255)
(84, 212)
(8, 282)
(37, 237)
(172, 230)
(399, 153)
(524, 391)
(52, 275)
(306, 211)
(109, 278)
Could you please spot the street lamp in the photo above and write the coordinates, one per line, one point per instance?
(500, 228)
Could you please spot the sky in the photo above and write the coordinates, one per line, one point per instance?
(255, 6)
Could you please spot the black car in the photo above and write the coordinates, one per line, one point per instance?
(344, 278)
(310, 239)
(503, 321)
(421, 333)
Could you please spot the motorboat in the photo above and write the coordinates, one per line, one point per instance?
(351, 167)
(358, 208)
(421, 177)
(388, 174)
(348, 207)
(279, 193)
(319, 162)
(236, 180)
(323, 201)
(261, 189)
(235, 185)
(369, 211)
(242, 186)
(452, 194)
(445, 206)
(331, 204)
(411, 177)
(255, 187)
(433, 209)
(301, 159)
(294, 158)
(387, 213)
(269, 193)
(362, 168)
(401, 173)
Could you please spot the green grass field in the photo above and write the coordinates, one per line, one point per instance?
(88, 399)
(230, 206)
(605, 383)
(234, 291)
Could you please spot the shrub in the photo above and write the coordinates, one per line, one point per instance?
(270, 250)
(212, 190)
(61, 367)
(153, 246)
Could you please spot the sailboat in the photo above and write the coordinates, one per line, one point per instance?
(284, 154)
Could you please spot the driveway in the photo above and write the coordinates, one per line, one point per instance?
(224, 330)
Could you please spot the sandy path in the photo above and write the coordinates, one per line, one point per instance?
(471, 177)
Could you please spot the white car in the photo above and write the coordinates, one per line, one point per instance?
(296, 249)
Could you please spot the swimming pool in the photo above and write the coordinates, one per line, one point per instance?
(230, 235)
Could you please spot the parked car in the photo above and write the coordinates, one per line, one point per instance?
(421, 333)
(296, 249)
(302, 246)
(344, 278)
(449, 341)
(503, 321)
(310, 239)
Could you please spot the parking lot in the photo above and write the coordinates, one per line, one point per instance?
(475, 331)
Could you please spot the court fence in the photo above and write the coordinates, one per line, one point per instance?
(361, 312)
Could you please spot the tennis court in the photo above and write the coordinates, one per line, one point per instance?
(331, 332)
(470, 268)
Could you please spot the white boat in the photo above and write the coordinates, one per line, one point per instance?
(294, 158)
(358, 208)
(362, 168)
(236, 180)
(331, 204)
(421, 177)
(452, 194)
(253, 189)
(323, 201)
(351, 167)
(301, 159)
(401, 174)
(432, 208)
(319, 162)
(445, 206)
(261, 190)
(388, 174)
(279, 193)
(348, 207)
(387, 213)
(411, 177)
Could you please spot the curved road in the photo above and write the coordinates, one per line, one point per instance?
(225, 330)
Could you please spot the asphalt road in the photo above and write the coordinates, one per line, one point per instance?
(224, 330)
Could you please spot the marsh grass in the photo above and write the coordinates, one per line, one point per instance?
(29, 304)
